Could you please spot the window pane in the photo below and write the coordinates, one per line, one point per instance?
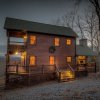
(81, 57)
(32, 39)
(69, 59)
(56, 41)
(52, 60)
(32, 60)
(68, 41)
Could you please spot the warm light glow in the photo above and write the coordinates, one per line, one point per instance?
(25, 36)
(81, 60)
(52, 60)
(57, 41)
(67, 74)
(24, 54)
(69, 59)
(32, 40)
(68, 41)
(81, 57)
(22, 57)
(16, 53)
(32, 60)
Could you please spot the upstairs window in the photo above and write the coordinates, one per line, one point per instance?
(32, 40)
(69, 59)
(52, 60)
(57, 41)
(68, 41)
(32, 60)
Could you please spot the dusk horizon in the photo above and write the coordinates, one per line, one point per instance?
(37, 11)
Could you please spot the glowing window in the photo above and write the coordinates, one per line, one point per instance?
(68, 41)
(81, 57)
(32, 40)
(32, 60)
(57, 41)
(69, 59)
(52, 60)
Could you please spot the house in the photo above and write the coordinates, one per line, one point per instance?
(43, 48)
(85, 57)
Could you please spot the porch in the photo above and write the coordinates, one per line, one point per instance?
(29, 75)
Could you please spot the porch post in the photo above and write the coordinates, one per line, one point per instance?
(7, 60)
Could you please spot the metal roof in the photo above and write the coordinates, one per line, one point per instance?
(17, 24)
(84, 51)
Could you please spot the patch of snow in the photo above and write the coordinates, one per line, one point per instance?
(87, 88)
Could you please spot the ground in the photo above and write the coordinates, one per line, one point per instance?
(87, 88)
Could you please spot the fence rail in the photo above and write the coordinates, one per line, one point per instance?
(36, 69)
(16, 69)
(42, 69)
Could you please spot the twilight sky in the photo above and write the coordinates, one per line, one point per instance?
(34, 10)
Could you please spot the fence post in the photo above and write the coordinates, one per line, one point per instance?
(95, 68)
(7, 75)
(59, 77)
(55, 67)
(42, 69)
(29, 76)
(17, 69)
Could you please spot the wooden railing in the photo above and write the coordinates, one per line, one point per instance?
(37, 69)
(63, 71)
(71, 68)
(16, 69)
(42, 69)
(13, 47)
(91, 67)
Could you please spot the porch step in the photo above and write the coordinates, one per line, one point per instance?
(66, 80)
(65, 75)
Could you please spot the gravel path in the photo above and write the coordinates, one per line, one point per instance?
(79, 89)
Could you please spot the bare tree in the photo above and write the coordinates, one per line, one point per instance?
(58, 22)
(80, 26)
(91, 25)
(68, 19)
(96, 5)
(86, 26)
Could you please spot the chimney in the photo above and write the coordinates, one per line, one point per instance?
(83, 42)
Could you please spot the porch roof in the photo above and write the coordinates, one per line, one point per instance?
(84, 51)
(17, 24)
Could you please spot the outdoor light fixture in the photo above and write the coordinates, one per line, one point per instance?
(16, 52)
(25, 37)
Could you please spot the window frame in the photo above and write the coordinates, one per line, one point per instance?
(35, 60)
(49, 60)
(55, 41)
(67, 41)
(67, 59)
(35, 39)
